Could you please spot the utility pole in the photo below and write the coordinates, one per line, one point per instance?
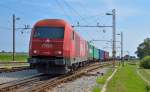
(14, 29)
(122, 59)
(114, 36)
(113, 14)
(14, 20)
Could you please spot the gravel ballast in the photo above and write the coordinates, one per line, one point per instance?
(83, 84)
(11, 76)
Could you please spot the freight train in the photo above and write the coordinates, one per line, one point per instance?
(55, 48)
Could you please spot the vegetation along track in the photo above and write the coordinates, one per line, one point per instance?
(44, 83)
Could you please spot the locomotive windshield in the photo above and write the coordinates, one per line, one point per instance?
(49, 32)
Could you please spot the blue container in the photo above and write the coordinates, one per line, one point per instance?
(101, 55)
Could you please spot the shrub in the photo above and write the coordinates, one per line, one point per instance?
(145, 62)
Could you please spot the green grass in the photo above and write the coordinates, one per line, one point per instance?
(5, 57)
(96, 89)
(126, 79)
(101, 80)
(145, 73)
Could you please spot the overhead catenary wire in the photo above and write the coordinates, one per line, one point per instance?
(83, 19)
(64, 11)
(75, 11)
(77, 14)
(89, 18)
(60, 6)
(93, 18)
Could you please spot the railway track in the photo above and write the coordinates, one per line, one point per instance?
(13, 86)
(13, 69)
(13, 66)
(35, 84)
(12, 62)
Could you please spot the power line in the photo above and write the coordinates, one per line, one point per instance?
(62, 8)
(85, 9)
(76, 12)
(69, 14)
(91, 17)
(96, 17)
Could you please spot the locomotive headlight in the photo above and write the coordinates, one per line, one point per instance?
(35, 51)
(59, 52)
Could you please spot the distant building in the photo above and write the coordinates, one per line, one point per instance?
(118, 57)
(127, 57)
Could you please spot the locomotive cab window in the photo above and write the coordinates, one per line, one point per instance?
(49, 32)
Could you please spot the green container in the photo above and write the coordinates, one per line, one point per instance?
(90, 51)
(96, 53)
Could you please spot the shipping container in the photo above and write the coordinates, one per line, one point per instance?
(106, 55)
(101, 55)
(96, 53)
(90, 51)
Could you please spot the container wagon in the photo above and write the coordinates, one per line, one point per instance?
(106, 55)
(101, 55)
(96, 53)
(90, 52)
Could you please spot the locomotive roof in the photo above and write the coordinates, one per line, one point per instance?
(57, 22)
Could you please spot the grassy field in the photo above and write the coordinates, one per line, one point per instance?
(6, 57)
(127, 80)
(145, 73)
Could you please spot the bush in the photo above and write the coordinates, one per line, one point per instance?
(145, 62)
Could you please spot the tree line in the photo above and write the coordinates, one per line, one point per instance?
(143, 49)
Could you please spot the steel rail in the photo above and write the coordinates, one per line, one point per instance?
(49, 84)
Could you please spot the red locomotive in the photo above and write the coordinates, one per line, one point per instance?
(55, 48)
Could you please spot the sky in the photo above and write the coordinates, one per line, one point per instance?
(132, 18)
